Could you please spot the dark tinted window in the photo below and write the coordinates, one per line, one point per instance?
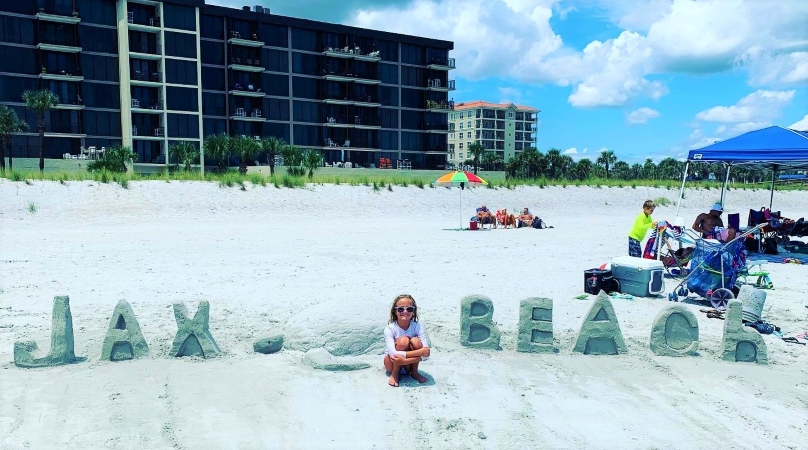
(179, 17)
(276, 85)
(304, 87)
(410, 120)
(388, 73)
(412, 141)
(22, 7)
(413, 76)
(101, 123)
(102, 68)
(388, 95)
(17, 30)
(100, 12)
(308, 135)
(303, 39)
(389, 117)
(18, 60)
(213, 126)
(307, 112)
(279, 130)
(180, 44)
(213, 79)
(180, 72)
(276, 60)
(212, 26)
(388, 140)
(412, 54)
(388, 50)
(67, 91)
(11, 88)
(212, 53)
(181, 99)
(183, 126)
(276, 109)
(411, 98)
(102, 40)
(101, 95)
(213, 104)
(275, 35)
(305, 64)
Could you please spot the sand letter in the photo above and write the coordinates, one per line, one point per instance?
(675, 332)
(61, 351)
(124, 339)
(535, 326)
(741, 344)
(600, 333)
(476, 327)
(193, 335)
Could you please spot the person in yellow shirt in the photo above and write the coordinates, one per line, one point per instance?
(642, 224)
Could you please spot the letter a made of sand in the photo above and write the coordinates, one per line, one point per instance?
(477, 329)
(124, 339)
(600, 333)
(193, 335)
(61, 351)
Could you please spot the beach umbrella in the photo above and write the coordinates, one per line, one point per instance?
(460, 178)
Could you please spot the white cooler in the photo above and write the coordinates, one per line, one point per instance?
(639, 276)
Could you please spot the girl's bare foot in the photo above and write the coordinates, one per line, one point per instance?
(421, 379)
(392, 381)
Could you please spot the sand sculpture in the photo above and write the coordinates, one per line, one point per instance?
(124, 339)
(675, 332)
(477, 328)
(740, 344)
(61, 351)
(320, 359)
(193, 335)
(600, 333)
(535, 326)
(269, 345)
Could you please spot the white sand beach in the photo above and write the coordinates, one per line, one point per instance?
(297, 261)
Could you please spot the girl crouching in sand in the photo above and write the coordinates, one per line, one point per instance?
(406, 342)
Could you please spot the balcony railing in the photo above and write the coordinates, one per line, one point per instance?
(437, 83)
(64, 71)
(246, 61)
(347, 73)
(154, 77)
(153, 21)
(436, 104)
(447, 62)
(59, 39)
(245, 36)
(136, 47)
(159, 132)
(351, 52)
(353, 121)
(348, 97)
(437, 126)
(247, 88)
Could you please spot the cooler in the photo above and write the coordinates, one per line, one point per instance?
(596, 280)
(640, 277)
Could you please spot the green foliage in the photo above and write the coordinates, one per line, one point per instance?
(40, 102)
(477, 150)
(31, 207)
(16, 175)
(9, 124)
(312, 160)
(244, 148)
(115, 160)
(218, 147)
(662, 201)
(273, 146)
(185, 153)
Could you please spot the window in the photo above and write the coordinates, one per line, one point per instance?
(468, 135)
(304, 63)
(388, 73)
(17, 7)
(64, 121)
(461, 126)
(179, 17)
(412, 54)
(510, 114)
(275, 35)
(180, 44)
(101, 40)
(276, 84)
(389, 117)
(212, 53)
(12, 87)
(213, 104)
(468, 124)
(388, 140)
(279, 130)
(412, 141)
(212, 79)
(16, 30)
(304, 87)
(388, 50)
(276, 60)
(304, 40)
(97, 95)
(411, 120)
(310, 135)
(102, 12)
(388, 95)
(461, 148)
(212, 26)
(213, 126)
(18, 60)
(277, 109)
(102, 68)
(460, 155)
(412, 76)
(101, 123)
(468, 114)
(451, 136)
(181, 99)
(180, 72)
(307, 112)
(411, 98)
(183, 125)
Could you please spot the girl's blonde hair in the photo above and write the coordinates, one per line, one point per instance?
(394, 317)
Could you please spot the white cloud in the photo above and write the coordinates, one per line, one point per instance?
(510, 95)
(642, 115)
(571, 151)
(801, 125)
(759, 107)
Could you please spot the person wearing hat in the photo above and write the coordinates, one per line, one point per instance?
(708, 223)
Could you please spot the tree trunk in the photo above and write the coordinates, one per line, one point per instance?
(2, 155)
(271, 161)
(41, 123)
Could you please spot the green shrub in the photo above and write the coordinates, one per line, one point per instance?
(662, 201)
(114, 160)
(31, 207)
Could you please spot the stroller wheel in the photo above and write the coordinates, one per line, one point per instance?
(672, 297)
(682, 292)
(720, 297)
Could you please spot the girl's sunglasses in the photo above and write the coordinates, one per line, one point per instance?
(401, 309)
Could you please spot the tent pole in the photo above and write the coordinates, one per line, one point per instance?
(461, 206)
(771, 197)
(682, 190)
(726, 182)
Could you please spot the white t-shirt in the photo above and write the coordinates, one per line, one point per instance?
(392, 332)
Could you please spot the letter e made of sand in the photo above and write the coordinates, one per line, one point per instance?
(124, 339)
(27, 354)
(477, 329)
(600, 333)
(535, 326)
(193, 335)
(739, 343)
(675, 332)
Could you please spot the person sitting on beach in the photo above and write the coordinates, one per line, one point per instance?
(406, 342)
(505, 219)
(525, 219)
(711, 226)
(484, 216)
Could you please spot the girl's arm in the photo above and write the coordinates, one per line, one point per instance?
(390, 343)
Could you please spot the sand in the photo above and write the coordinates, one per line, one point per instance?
(266, 257)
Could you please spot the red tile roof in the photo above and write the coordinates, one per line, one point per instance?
(482, 104)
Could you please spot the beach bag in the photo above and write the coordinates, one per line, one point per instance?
(538, 223)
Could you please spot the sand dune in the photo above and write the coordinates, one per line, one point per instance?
(266, 258)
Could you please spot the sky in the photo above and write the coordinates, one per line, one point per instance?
(643, 78)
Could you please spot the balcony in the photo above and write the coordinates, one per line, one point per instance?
(146, 78)
(76, 105)
(441, 64)
(147, 106)
(248, 91)
(246, 64)
(49, 15)
(352, 53)
(437, 127)
(366, 123)
(60, 45)
(256, 115)
(440, 106)
(157, 133)
(348, 76)
(150, 25)
(340, 98)
(153, 52)
(61, 74)
(437, 86)
(237, 39)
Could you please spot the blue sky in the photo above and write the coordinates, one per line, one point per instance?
(643, 78)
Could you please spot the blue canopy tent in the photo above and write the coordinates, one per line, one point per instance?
(774, 148)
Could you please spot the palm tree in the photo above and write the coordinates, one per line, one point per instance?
(273, 147)
(491, 160)
(9, 124)
(40, 102)
(606, 159)
(245, 148)
(312, 159)
(583, 168)
(477, 150)
(649, 169)
(218, 147)
(184, 152)
(553, 158)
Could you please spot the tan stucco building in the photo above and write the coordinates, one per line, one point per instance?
(504, 128)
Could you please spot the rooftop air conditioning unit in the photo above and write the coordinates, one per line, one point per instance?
(266, 11)
(258, 8)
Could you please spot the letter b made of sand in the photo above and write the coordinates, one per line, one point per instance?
(477, 329)
(27, 354)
